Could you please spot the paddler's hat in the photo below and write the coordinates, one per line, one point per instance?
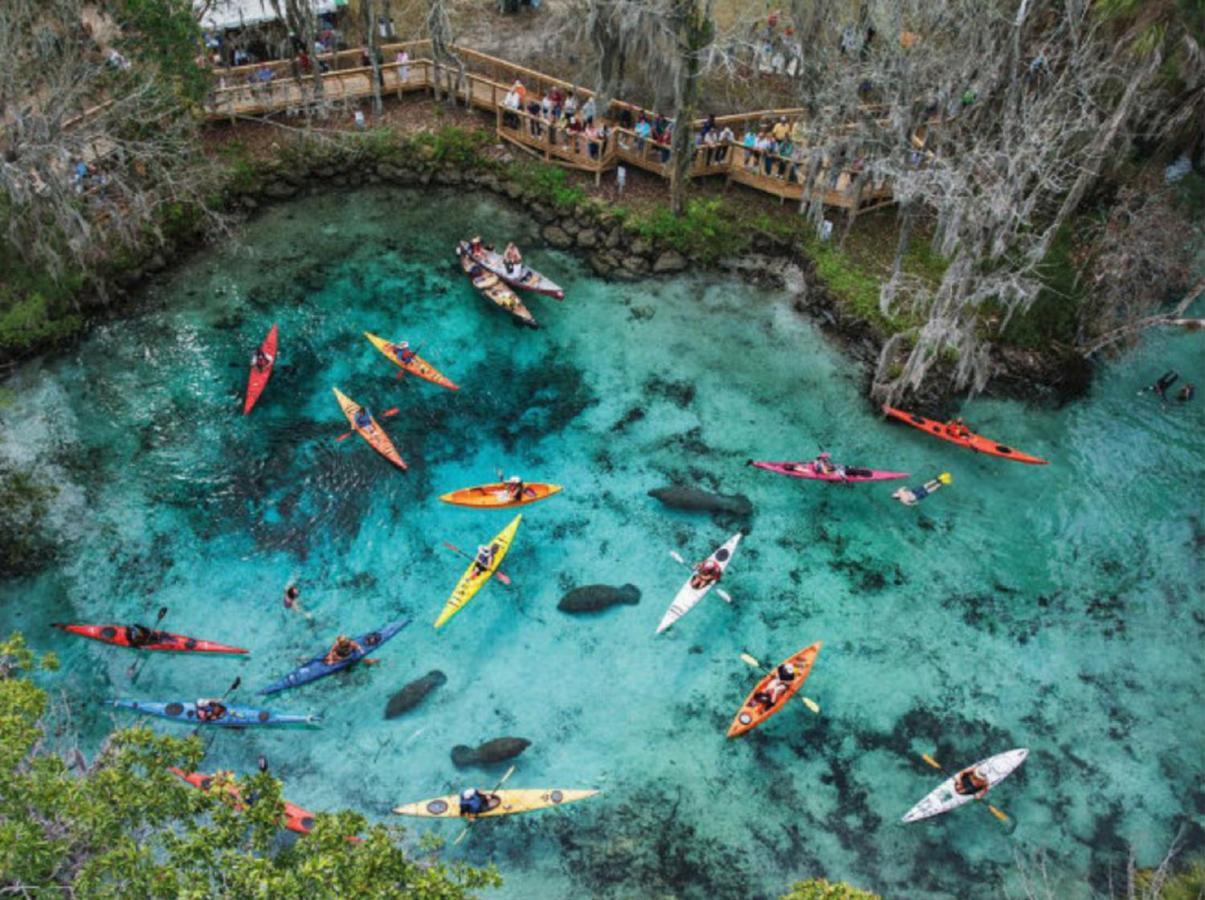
(514, 479)
(466, 794)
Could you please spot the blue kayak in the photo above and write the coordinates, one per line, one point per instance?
(318, 667)
(235, 716)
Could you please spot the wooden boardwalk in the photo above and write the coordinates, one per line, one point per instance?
(280, 87)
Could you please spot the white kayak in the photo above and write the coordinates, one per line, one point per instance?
(689, 596)
(995, 769)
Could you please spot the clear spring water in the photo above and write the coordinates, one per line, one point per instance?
(1057, 608)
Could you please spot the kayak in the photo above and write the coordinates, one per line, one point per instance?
(975, 442)
(524, 277)
(752, 713)
(236, 716)
(472, 580)
(503, 803)
(850, 475)
(257, 380)
(375, 435)
(913, 496)
(496, 496)
(688, 596)
(120, 635)
(318, 668)
(495, 290)
(417, 365)
(296, 819)
(944, 798)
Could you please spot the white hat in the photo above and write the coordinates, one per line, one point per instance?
(467, 794)
(790, 668)
(514, 479)
(404, 344)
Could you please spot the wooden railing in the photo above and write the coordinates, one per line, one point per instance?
(346, 83)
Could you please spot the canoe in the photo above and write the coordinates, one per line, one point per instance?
(810, 470)
(525, 277)
(257, 380)
(318, 668)
(376, 437)
(495, 290)
(975, 442)
(944, 798)
(236, 716)
(751, 714)
(296, 819)
(120, 635)
(688, 596)
(496, 496)
(508, 802)
(417, 366)
(472, 581)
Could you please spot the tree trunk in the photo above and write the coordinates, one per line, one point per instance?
(694, 30)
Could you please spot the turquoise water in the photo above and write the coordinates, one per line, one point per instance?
(1056, 608)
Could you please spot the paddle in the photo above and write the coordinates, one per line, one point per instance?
(473, 821)
(392, 411)
(807, 701)
(935, 764)
(136, 666)
(724, 595)
(499, 574)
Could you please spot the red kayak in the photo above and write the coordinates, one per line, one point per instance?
(296, 818)
(259, 377)
(160, 640)
(960, 435)
(847, 474)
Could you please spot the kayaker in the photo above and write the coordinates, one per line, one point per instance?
(475, 247)
(364, 419)
(512, 257)
(260, 360)
(343, 648)
(515, 488)
(969, 782)
(1166, 380)
(824, 464)
(958, 428)
(403, 352)
(1186, 392)
(139, 635)
(473, 802)
(706, 573)
(210, 710)
(484, 559)
(786, 673)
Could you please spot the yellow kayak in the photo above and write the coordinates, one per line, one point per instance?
(502, 803)
(474, 577)
(496, 495)
(374, 434)
(417, 365)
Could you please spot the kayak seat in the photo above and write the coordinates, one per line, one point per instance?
(858, 473)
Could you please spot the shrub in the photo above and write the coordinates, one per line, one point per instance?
(820, 889)
(706, 231)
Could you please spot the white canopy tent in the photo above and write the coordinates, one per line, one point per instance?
(223, 14)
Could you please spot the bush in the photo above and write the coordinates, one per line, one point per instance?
(707, 230)
(550, 184)
(819, 889)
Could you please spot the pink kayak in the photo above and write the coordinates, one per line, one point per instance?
(809, 470)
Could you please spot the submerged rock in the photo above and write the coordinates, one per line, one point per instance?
(696, 500)
(412, 694)
(494, 751)
(597, 597)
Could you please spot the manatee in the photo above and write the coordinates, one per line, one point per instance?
(695, 500)
(490, 752)
(412, 694)
(597, 597)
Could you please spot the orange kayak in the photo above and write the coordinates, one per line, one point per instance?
(752, 712)
(374, 434)
(971, 441)
(496, 495)
(417, 365)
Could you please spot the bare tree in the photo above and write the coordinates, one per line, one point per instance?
(439, 28)
(96, 149)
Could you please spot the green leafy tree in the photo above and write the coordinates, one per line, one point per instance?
(820, 889)
(124, 826)
(166, 34)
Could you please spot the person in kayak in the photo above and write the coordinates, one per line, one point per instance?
(342, 650)
(512, 257)
(970, 783)
(403, 352)
(140, 635)
(515, 488)
(260, 360)
(1166, 380)
(483, 560)
(708, 572)
(210, 710)
(475, 247)
(824, 464)
(958, 428)
(364, 420)
(473, 802)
